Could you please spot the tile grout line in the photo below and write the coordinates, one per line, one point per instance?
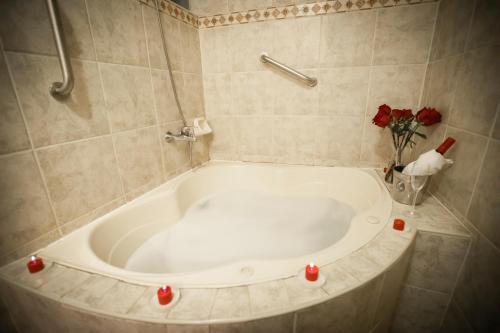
(468, 224)
(463, 316)
(155, 108)
(30, 139)
(101, 81)
(429, 52)
(457, 278)
(428, 69)
(368, 91)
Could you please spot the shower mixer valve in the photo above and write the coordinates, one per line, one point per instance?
(186, 134)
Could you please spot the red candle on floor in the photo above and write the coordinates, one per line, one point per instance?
(165, 295)
(312, 272)
(35, 264)
(398, 224)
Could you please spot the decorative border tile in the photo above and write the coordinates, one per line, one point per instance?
(293, 11)
(274, 13)
(174, 10)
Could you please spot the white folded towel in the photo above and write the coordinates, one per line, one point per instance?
(427, 164)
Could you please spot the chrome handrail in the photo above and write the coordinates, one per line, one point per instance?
(310, 81)
(58, 89)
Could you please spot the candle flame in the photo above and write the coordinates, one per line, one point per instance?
(311, 264)
(33, 258)
(164, 288)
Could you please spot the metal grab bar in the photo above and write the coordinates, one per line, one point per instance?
(58, 89)
(310, 81)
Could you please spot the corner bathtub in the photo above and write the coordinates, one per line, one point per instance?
(105, 245)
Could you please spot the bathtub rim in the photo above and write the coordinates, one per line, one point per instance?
(97, 265)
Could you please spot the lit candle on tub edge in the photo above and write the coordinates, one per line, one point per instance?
(165, 295)
(312, 272)
(35, 264)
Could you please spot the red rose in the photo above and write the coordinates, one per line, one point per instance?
(428, 116)
(384, 109)
(396, 113)
(383, 116)
(407, 114)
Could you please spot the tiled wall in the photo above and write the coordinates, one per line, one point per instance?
(65, 162)
(362, 59)
(463, 82)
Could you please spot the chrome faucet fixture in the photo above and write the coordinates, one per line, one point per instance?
(186, 134)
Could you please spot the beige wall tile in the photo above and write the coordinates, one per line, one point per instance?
(80, 115)
(129, 96)
(296, 42)
(440, 87)
(231, 303)
(476, 293)
(477, 92)
(200, 150)
(80, 176)
(120, 297)
(397, 86)
(194, 304)
(255, 138)
(239, 5)
(166, 107)
(118, 31)
(217, 93)
(294, 139)
(343, 91)
(394, 278)
(300, 295)
(408, 27)
(484, 30)
(293, 97)
(338, 139)
(377, 144)
(351, 312)
(13, 136)
(155, 47)
(30, 247)
(191, 55)
(456, 183)
(252, 92)
(26, 212)
(455, 321)
(26, 27)
(484, 211)
(191, 98)
(79, 222)
(225, 133)
(451, 28)
(205, 8)
(436, 261)
(176, 153)
(415, 304)
(268, 296)
(346, 39)
(139, 157)
(248, 42)
(215, 50)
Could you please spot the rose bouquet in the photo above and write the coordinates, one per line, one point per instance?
(404, 125)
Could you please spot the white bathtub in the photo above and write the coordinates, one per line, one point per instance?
(105, 245)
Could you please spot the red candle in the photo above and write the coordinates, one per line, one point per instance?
(398, 224)
(312, 272)
(35, 264)
(165, 295)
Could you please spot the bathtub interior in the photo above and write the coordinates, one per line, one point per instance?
(112, 239)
